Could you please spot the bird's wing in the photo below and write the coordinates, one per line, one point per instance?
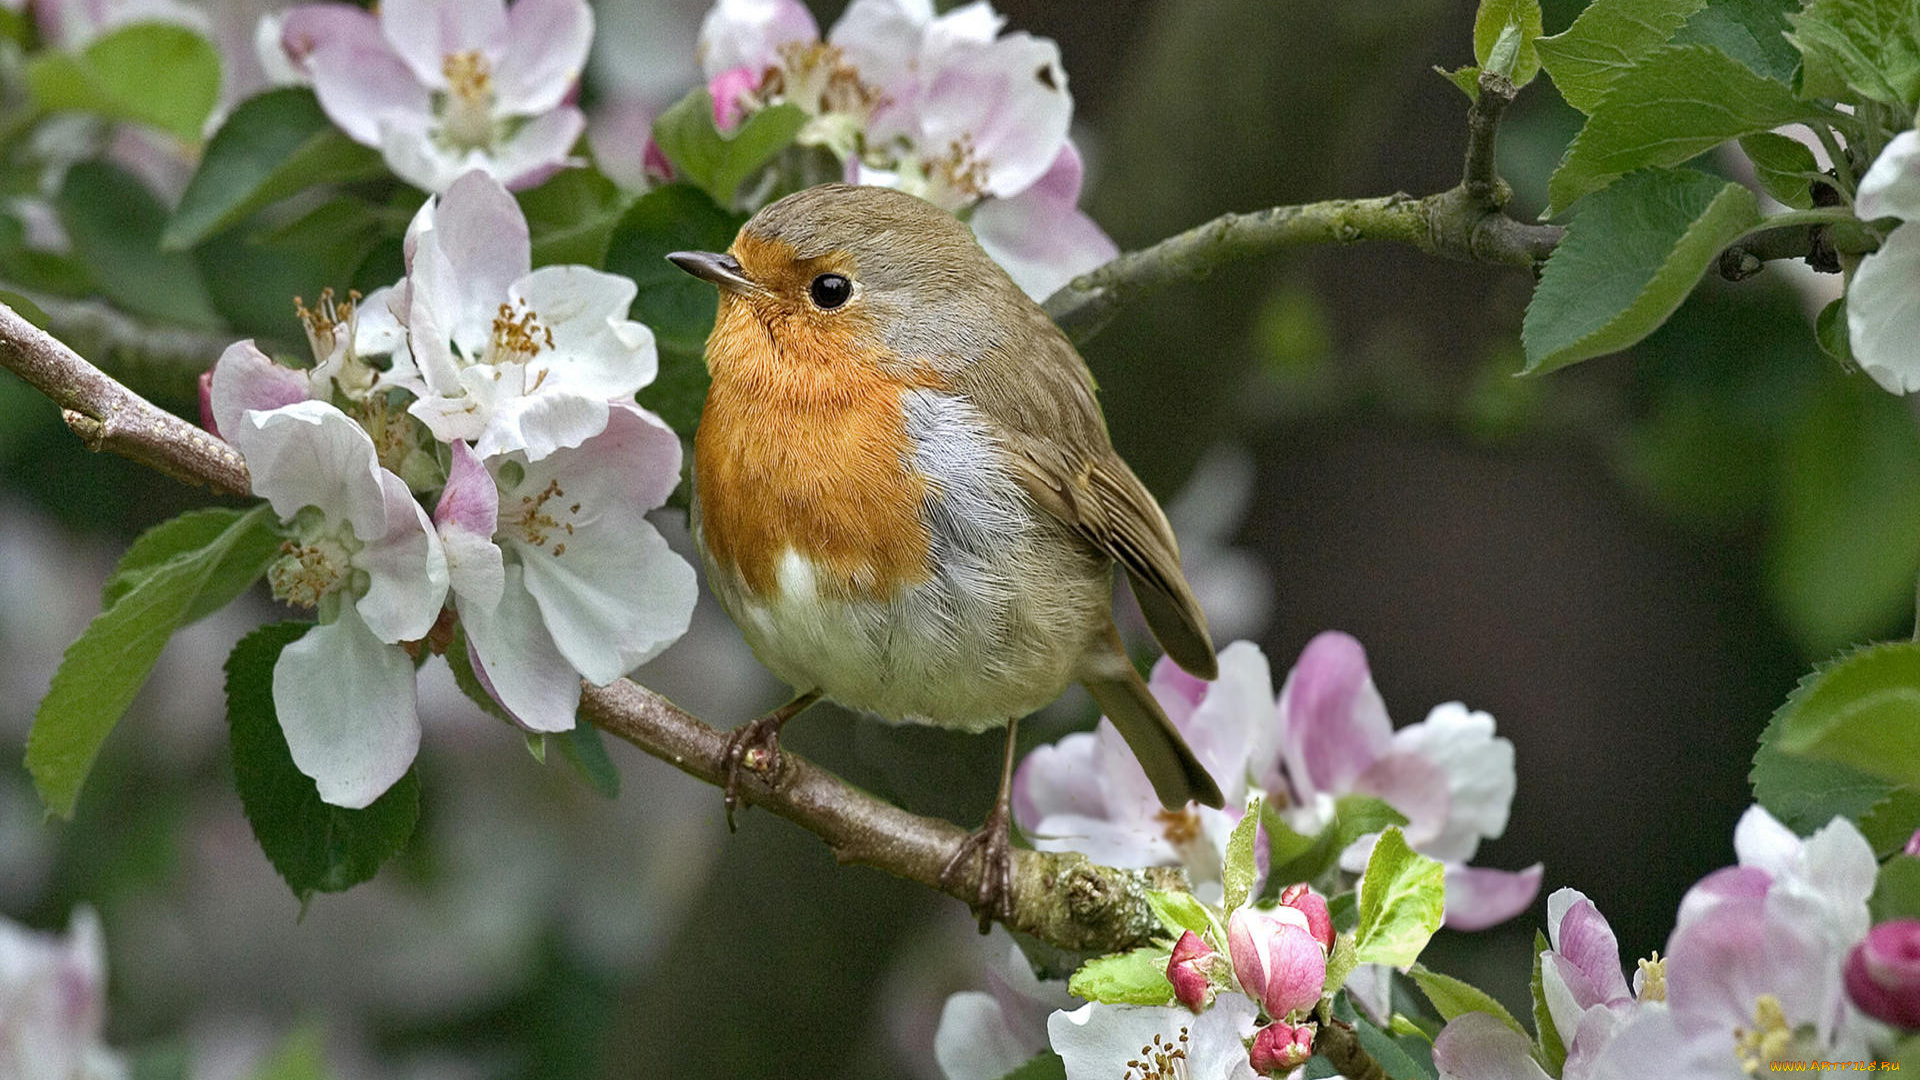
(1044, 407)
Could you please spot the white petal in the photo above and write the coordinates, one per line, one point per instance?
(481, 234)
(1891, 187)
(882, 40)
(1478, 1046)
(245, 379)
(1127, 842)
(310, 454)
(547, 42)
(362, 85)
(1237, 706)
(1058, 778)
(1039, 236)
(539, 149)
(408, 146)
(426, 32)
(540, 424)
(1480, 776)
(974, 1040)
(346, 704)
(976, 22)
(406, 569)
(1883, 312)
(749, 33)
(376, 331)
(526, 672)
(597, 351)
(1096, 1041)
(1761, 841)
(995, 97)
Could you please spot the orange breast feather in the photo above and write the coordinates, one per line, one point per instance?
(803, 446)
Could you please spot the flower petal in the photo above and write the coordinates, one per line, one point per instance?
(1480, 776)
(474, 251)
(1039, 236)
(468, 515)
(1478, 898)
(974, 1040)
(597, 351)
(1333, 721)
(537, 424)
(1007, 99)
(245, 379)
(1096, 1041)
(362, 84)
(310, 26)
(1479, 1046)
(1222, 729)
(406, 569)
(346, 704)
(749, 33)
(540, 148)
(547, 43)
(1891, 187)
(524, 671)
(425, 32)
(1883, 312)
(309, 453)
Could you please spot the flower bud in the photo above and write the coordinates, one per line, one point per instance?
(207, 420)
(1187, 971)
(1883, 973)
(1276, 958)
(1314, 907)
(1913, 843)
(1280, 1047)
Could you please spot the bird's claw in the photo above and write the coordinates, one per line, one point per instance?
(993, 889)
(752, 747)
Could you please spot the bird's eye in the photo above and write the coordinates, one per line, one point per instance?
(829, 291)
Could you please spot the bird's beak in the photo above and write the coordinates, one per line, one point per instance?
(721, 269)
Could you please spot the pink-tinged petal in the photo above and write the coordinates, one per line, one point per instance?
(547, 43)
(525, 672)
(1177, 692)
(426, 32)
(749, 33)
(538, 424)
(363, 86)
(463, 265)
(1280, 1047)
(1276, 958)
(244, 379)
(1187, 971)
(882, 39)
(1039, 236)
(346, 705)
(204, 384)
(1883, 973)
(1726, 884)
(309, 453)
(541, 148)
(1891, 187)
(1719, 964)
(1414, 786)
(468, 515)
(597, 351)
(1478, 1046)
(1008, 100)
(310, 26)
(1334, 721)
(1478, 898)
(618, 135)
(1222, 727)
(1311, 904)
(730, 91)
(616, 596)
(406, 569)
(1583, 937)
(1480, 776)
(1883, 312)
(974, 1040)
(1058, 778)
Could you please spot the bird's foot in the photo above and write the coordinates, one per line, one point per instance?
(755, 747)
(992, 848)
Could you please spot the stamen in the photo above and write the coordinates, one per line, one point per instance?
(1161, 1059)
(466, 110)
(1653, 978)
(536, 521)
(305, 572)
(517, 339)
(1770, 1039)
(959, 176)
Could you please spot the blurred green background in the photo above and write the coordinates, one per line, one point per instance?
(1628, 564)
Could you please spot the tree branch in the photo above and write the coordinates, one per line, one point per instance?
(1062, 899)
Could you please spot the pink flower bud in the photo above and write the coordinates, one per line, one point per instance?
(1187, 971)
(729, 90)
(206, 402)
(1314, 907)
(1913, 843)
(1883, 973)
(1276, 958)
(1280, 1047)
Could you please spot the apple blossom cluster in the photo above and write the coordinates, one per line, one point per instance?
(943, 106)
(1770, 960)
(1326, 735)
(442, 87)
(502, 395)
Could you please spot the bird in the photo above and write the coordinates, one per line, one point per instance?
(905, 495)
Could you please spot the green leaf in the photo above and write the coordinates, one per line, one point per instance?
(1871, 47)
(274, 145)
(253, 276)
(106, 666)
(537, 746)
(1844, 548)
(1293, 858)
(1179, 912)
(1896, 891)
(1783, 166)
(587, 753)
(1340, 962)
(571, 216)
(313, 846)
(1454, 998)
(718, 162)
(300, 1056)
(153, 73)
(1047, 1066)
(1240, 870)
(115, 225)
(152, 550)
(1402, 898)
(1627, 261)
(1608, 38)
(1892, 821)
(1804, 794)
(1466, 78)
(1494, 19)
(1751, 31)
(24, 308)
(1862, 710)
(1548, 1047)
(460, 662)
(1131, 978)
(1677, 102)
(678, 307)
(1391, 1053)
(1830, 331)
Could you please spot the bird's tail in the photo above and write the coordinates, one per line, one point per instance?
(1176, 774)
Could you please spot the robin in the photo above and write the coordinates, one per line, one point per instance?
(905, 496)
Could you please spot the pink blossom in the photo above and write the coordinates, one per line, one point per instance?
(1276, 958)
(1314, 906)
(1280, 1047)
(1187, 971)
